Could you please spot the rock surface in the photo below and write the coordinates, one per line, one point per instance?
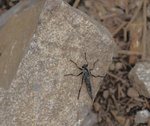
(40, 94)
(16, 30)
(140, 77)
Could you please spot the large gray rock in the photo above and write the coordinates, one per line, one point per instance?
(40, 94)
(17, 27)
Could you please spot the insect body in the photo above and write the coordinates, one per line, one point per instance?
(86, 76)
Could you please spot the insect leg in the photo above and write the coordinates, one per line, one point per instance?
(94, 64)
(80, 88)
(76, 65)
(96, 75)
(73, 74)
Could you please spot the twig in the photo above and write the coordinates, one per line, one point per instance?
(115, 101)
(125, 34)
(126, 52)
(119, 28)
(135, 14)
(108, 105)
(144, 31)
(126, 9)
(133, 18)
(119, 90)
(127, 123)
(147, 103)
(76, 3)
(116, 77)
(108, 16)
(128, 102)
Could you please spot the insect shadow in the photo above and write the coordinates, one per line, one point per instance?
(86, 76)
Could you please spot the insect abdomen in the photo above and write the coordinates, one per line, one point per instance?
(89, 88)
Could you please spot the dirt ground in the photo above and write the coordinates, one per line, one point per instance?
(128, 21)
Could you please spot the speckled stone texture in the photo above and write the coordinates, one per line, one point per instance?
(40, 94)
(17, 27)
(140, 77)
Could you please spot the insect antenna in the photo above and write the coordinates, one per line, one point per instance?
(86, 58)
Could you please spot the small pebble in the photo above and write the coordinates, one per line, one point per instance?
(10, 4)
(112, 67)
(97, 106)
(106, 94)
(84, 111)
(132, 93)
(88, 3)
(90, 119)
(142, 116)
(119, 66)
